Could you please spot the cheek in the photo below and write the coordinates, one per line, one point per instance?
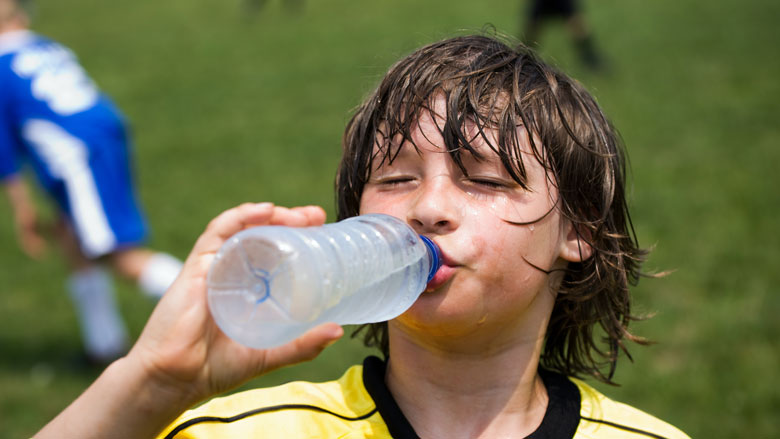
(507, 251)
(386, 208)
(498, 251)
(371, 203)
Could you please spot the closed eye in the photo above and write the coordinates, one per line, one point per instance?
(393, 181)
(487, 183)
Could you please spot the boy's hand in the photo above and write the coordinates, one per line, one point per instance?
(182, 357)
(181, 347)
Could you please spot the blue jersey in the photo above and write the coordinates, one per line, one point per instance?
(53, 116)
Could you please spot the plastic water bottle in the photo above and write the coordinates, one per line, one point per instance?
(270, 284)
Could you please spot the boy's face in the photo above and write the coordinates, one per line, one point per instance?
(487, 288)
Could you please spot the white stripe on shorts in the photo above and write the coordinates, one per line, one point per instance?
(67, 158)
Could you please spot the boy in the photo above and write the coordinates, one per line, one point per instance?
(510, 167)
(53, 117)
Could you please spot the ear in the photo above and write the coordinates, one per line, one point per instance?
(574, 246)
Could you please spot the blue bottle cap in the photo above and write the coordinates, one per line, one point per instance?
(434, 255)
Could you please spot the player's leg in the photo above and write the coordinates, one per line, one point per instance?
(533, 21)
(582, 36)
(153, 271)
(91, 289)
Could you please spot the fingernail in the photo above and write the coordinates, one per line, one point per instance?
(335, 334)
(264, 205)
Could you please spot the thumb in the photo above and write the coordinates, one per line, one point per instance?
(303, 348)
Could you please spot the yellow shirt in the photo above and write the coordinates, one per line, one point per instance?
(359, 406)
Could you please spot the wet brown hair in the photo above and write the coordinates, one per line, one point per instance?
(500, 87)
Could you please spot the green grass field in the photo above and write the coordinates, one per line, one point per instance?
(227, 108)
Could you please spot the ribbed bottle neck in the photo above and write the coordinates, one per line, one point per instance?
(434, 256)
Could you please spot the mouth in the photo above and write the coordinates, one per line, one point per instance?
(443, 274)
(441, 277)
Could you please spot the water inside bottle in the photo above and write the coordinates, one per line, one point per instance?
(244, 279)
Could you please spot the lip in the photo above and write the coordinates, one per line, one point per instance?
(443, 274)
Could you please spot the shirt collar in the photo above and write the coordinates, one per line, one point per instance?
(560, 419)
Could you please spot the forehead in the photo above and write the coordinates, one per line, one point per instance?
(468, 138)
(470, 129)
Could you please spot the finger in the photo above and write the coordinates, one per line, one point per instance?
(315, 215)
(230, 222)
(304, 348)
(302, 216)
(284, 216)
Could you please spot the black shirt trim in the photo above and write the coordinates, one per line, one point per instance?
(624, 427)
(374, 380)
(563, 408)
(560, 419)
(274, 408)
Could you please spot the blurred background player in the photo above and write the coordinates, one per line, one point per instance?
(54, 119)
(542, 11)
(254, 6)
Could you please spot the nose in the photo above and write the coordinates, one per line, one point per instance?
(434, 209)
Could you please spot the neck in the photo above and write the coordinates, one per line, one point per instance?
(13, 23)
(490, 392)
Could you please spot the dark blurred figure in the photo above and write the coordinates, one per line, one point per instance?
(542, 11)
(254, 6)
